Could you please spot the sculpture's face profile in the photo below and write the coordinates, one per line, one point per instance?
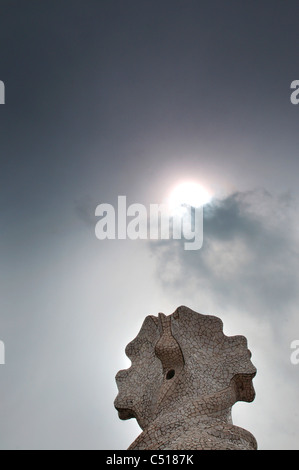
(138, 385)
(179, 359)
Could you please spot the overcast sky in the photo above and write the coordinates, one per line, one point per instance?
(130, 97)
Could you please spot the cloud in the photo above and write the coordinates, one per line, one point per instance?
(249, 254)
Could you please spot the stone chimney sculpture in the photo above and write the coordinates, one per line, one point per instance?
(184, 379)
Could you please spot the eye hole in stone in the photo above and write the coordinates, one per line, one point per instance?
(170, 374)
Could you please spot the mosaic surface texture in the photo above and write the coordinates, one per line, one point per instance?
(184, 379)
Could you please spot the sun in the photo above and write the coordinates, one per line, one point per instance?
(188, 193)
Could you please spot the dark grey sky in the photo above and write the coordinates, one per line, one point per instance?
(122, 97)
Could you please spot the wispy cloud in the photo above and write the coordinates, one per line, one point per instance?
(249, 255)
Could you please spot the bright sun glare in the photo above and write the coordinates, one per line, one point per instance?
(188, 193)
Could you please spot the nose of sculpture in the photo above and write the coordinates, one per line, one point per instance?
(122, 402)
